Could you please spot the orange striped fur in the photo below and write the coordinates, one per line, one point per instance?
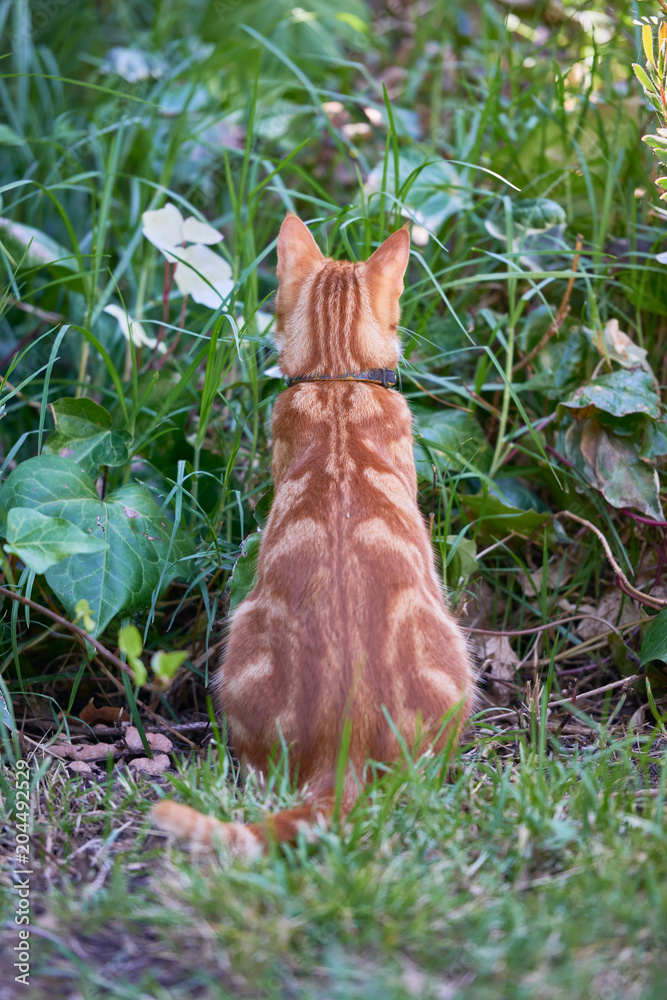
(347, 614)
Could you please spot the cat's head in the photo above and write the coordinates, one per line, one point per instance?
(333, 316)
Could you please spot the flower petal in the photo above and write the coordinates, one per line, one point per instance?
(201, 268)
(139, 336)
(195, 231)
(164, 227)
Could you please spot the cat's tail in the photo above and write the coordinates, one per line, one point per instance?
(204, 833)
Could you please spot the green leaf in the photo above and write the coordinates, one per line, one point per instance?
(123, 577)
(655, 440)
(263, 508)
(84, 433)
(536, 215)
(654, 643)
(450, 439)
(656, 142)
(614, 466)
(498, 518)
(245, 570)
(41, 541)
(165, 665)
(643, 78)
(461, 560)
(129, 642)
(618, 393)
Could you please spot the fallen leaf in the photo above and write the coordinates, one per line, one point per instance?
(81, 751)
(80, 767)
(156, 741)
(106, 714)
(621, 348)
(608, 609)
(157, 765)
(501, 661)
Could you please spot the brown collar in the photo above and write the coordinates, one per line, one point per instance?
(380, 376)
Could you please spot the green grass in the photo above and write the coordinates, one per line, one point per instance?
(537, 869)
(521, 874)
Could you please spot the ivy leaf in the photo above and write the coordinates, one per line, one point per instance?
(41, 541)
(85, 434)
(536, 215)
(614, 466)
(263, 508)
(123, 577)
(497, 517)
(654, 643)
(461, 560)
(655, 440)
(450, 440)
(617, 393)
(245, 570)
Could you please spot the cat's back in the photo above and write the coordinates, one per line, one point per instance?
(347, 617)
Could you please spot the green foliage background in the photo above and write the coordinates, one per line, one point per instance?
(133, 477)
(533, 316)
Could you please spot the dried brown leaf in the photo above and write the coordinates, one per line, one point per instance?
(501, 661)
(80, 767)
(81, 751)
(157, 765)
(608, 609)
(156, 741)
(106, 714)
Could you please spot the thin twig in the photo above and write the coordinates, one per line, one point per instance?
(78, 632)
(600, 690)
(542, 628)
(655, 602)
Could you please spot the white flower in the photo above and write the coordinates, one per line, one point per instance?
(661, 258)
(138, 335)
(131, 64)
(199, 263)
(197, 267)
(167, 230)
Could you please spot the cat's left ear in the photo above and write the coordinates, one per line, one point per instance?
(386, 268)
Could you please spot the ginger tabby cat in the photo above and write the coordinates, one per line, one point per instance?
(347, 614)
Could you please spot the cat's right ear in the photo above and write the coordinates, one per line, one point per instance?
(298, 252)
